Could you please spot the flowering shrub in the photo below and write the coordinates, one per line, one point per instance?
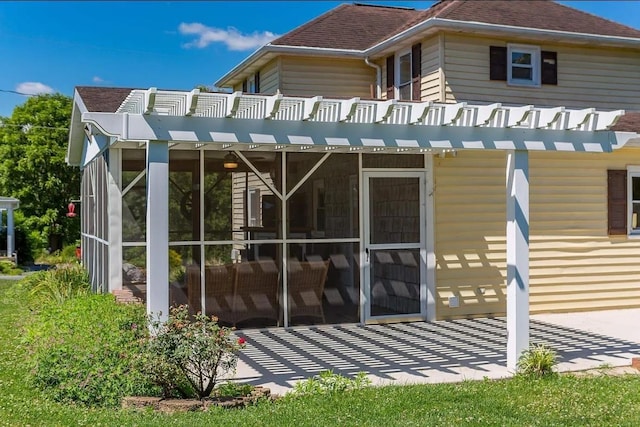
(200, 348)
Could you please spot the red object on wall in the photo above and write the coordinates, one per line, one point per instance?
(71, 209)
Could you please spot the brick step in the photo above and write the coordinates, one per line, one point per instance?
(125, 296)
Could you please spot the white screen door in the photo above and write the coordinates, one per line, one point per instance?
(395, 245)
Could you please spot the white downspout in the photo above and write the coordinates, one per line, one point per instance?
(378, 77)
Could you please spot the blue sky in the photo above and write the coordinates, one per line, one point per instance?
(54, 46)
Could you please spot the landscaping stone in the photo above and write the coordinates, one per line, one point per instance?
(256, 394)
(170, 406)
(635, 363)
(140, 402)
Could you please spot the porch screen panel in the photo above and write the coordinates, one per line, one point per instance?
(134, 201)
(239, 203)
(184, 195)
(325, 206)
(393, 161)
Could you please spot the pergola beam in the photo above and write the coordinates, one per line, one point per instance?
(136, 127)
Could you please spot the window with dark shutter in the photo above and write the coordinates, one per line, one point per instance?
(498, 63)
(391, 77)
(256, 78)
(617, 201)
(416, 72)
(244, 86)
(549, 65)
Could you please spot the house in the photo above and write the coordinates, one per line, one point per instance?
(379, 164)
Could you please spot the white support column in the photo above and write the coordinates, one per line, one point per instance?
(10, 232)
(158, 228)
(114, 197)
(517, 255)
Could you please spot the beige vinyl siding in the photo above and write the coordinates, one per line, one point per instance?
(587, 77)
(574, 264)
(269, 78)
(470, 211)
(430, 82)
(326, 76)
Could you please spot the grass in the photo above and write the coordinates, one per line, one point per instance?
(558, 401)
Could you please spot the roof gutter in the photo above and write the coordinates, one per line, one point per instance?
(438, 23)
(296, 50)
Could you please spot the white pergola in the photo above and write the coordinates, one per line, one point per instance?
(160, 120)
(9, 204)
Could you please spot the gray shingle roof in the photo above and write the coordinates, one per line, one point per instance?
(358, 26)
(102, 99)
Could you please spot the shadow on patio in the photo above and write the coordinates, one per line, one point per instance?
(416, 352)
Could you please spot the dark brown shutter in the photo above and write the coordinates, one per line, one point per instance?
(391, 77)
(244, 86)
(549, 64)
(617, 201)
(256, 79)
(416, 65)
(498, 63)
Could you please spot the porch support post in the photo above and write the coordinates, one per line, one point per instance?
(158, 229)
(10, 233)
(517, 255)
(114, 196)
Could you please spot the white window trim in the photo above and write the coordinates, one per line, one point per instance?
(536, 65)
(632, 172)
(396, 74)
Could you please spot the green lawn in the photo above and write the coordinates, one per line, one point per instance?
(561, 401)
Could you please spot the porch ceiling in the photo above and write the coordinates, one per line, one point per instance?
(260, 122)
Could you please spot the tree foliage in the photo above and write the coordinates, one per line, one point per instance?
(33, 144)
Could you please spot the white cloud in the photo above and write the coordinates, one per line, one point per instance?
(231, 37)
(97, 79)
(33, 88)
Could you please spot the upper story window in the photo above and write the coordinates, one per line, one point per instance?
(252, 84)
(523, 65)
(403, 76)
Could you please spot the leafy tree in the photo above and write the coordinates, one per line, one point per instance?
(33, 144)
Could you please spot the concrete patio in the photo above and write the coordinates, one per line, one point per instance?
(443, 351)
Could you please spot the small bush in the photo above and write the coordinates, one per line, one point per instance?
(59, 284)
(233, 389)
(7, 267)
(197, 345)
(84, 349)
(537, 361)
(329, 383)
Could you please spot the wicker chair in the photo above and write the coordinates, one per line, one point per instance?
(306, 287)
(219, 292)
(255, 290)
(193, 288)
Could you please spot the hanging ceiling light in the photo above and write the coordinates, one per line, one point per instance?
(230, 161)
